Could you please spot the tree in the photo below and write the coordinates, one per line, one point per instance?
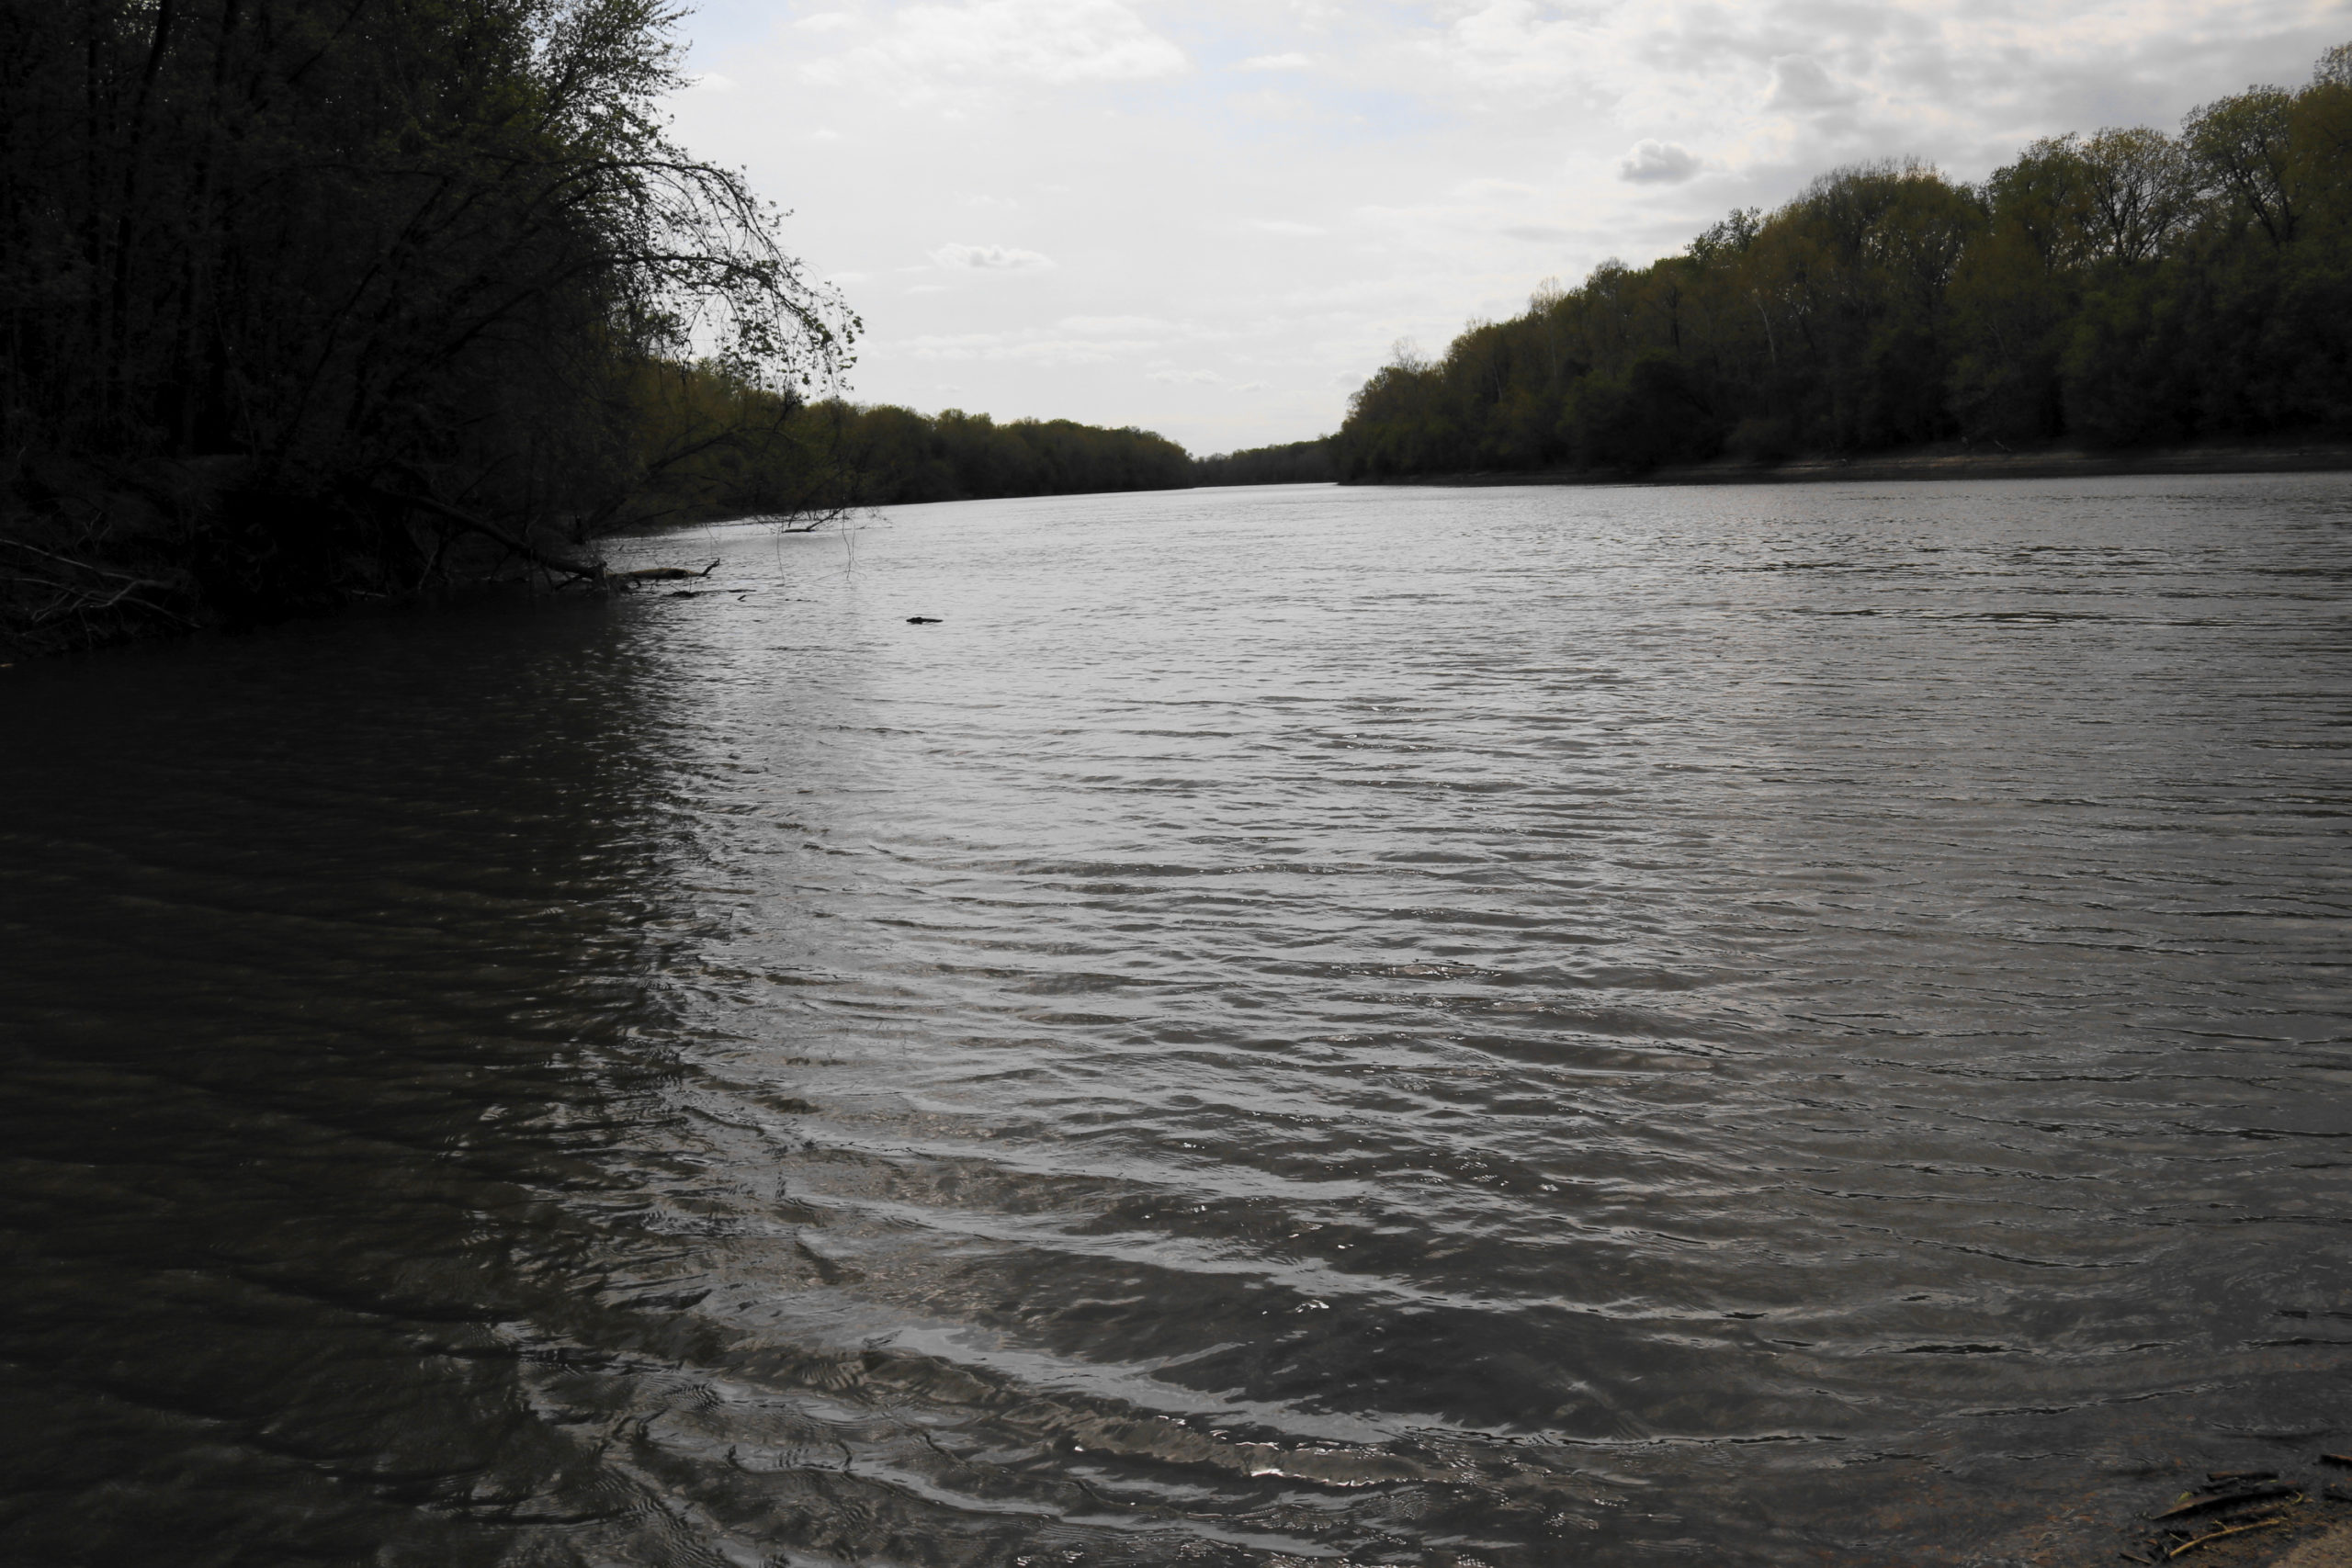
(2242, 147)
(2138, 193)
(295, 293)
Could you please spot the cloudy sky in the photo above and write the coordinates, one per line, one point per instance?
(1214, 219)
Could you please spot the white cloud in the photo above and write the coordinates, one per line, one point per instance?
(1491, 190)
(1119, 326)
(1513, 44)
(990, 258)
(1186, 378)
(1292, 62)
(958, 346)
(1653, 163)
(925, 49)
(1022, 348)
(1284, 226)
(1799, 81)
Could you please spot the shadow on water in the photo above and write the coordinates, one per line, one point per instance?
(327, 988)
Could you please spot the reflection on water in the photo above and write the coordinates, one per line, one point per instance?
(1753, 1026)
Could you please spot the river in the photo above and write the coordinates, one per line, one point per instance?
(1514, 1026)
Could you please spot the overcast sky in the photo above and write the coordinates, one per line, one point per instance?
(1214, 219)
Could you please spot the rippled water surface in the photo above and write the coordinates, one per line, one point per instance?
(1514, 1027)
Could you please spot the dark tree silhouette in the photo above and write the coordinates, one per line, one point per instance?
(309, 299)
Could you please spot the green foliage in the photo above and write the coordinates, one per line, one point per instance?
(1295, 462)
(888, 456)
(1653, 412)
(714, 445)
(2121, 288)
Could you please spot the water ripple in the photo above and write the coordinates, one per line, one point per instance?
(1488, 1027)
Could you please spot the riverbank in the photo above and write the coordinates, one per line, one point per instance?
(1944, 461)
(2251, 1519)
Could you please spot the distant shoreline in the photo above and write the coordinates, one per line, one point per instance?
(1944, 461)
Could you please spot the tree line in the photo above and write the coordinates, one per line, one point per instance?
(719, 445)
(890, 455)
(1293, 462)
(2124, 288)
(749, 451)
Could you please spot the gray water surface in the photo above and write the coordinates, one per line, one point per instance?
(1507, 1027)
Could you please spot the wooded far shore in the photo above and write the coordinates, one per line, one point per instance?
(2127, 289)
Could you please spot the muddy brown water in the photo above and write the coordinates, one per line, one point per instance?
(1516, 1027)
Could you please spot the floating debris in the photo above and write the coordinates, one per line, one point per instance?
(659, 573)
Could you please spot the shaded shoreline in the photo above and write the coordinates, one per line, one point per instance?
(1943, 460)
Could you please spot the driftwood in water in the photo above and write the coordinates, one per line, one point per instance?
(659, 573)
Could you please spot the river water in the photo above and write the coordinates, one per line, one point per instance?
(1500, 1027)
